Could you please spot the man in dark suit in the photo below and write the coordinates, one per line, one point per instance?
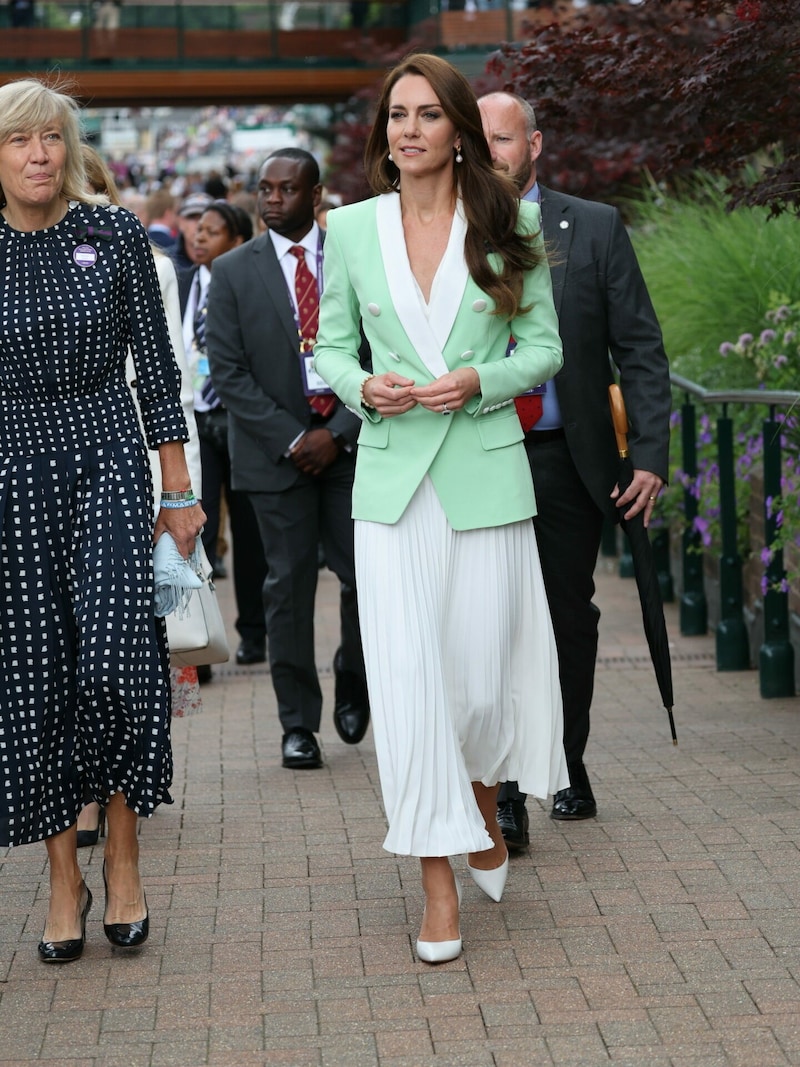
(603, 307)
(292, 446)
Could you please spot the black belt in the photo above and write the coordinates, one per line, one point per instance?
(541, 437)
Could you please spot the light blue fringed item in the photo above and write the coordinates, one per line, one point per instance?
(175, 577)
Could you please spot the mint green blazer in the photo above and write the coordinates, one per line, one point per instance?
(475, 457)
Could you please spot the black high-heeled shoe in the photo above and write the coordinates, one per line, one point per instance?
(87, 838)
(67, 951)
(126, 935)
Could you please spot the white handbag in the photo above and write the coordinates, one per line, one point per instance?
(197, 636)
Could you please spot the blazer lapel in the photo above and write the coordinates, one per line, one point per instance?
(270, 273)
(558, 224)
(427, 338)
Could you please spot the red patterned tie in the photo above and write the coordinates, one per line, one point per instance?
(307, 296)
(529, 408)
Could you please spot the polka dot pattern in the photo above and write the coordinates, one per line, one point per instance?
(84, 678)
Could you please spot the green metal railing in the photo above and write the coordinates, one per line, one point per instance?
(776, 655)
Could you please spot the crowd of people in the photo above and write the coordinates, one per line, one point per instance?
(411, 390)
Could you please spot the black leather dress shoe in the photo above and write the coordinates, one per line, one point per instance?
(512, 818)
(578, 801)
(351, 703)
(300, 750)
(250, 652)
(351, 722)
(573, 804)
(204, 674)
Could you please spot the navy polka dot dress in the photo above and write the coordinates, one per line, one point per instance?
(84, 674)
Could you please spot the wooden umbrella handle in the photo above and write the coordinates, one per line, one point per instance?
(619, 418)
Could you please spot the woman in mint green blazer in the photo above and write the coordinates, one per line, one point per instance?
(441, 268)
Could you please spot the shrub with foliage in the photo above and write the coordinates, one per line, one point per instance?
(712, 273)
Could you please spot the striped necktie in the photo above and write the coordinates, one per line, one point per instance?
(306, 294)
(207, 391)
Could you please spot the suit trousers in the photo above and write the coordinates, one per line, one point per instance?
(249, 566)
(293, 524)
(568, 527)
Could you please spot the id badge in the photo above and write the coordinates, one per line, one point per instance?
(201, 371)
(313, 384)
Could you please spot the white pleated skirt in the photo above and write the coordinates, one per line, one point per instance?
(462, 672)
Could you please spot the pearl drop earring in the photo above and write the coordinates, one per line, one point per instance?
(459, 157)
(391, 158)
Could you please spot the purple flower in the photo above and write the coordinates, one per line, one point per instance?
(779, 519)
(764, 584)
(745, 339)
(768, 506)
(779, 361)
(766, 337)
(781, 313)
(789, 336)
(726, 348)
(784, 587)
(766, 555)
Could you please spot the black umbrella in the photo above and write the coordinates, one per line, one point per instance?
(655, 628)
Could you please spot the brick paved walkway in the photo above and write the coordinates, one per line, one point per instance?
(665, 932)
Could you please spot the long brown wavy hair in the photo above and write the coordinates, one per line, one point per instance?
(490, 199)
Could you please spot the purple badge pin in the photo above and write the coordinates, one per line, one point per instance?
(85, 256)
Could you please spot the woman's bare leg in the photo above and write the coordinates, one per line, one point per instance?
(67, 898)
(486, 797)
(125, 902)
(440, 918)
(89, 818)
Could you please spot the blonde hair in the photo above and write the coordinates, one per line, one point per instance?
(98, 175)
(30, 105)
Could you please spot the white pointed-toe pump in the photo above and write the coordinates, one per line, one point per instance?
(441, 951)
(491, 882)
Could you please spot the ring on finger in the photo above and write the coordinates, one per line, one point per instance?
(445, 409)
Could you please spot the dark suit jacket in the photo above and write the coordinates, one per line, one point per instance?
(603, 306)
(255, 366)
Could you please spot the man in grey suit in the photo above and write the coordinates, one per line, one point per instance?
(603, 307)
(292, 447)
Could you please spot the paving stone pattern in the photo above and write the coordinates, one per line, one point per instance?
(664, 933)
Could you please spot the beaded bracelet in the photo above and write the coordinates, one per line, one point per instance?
(179, 503)
(364, 402)
(184, 494)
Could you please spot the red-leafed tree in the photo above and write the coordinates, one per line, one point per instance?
(668, 86)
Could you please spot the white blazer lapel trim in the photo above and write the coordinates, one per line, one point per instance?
(402, 286)
(450, 282)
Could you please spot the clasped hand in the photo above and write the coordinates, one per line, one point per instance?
(391, 394)
(315, 451)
